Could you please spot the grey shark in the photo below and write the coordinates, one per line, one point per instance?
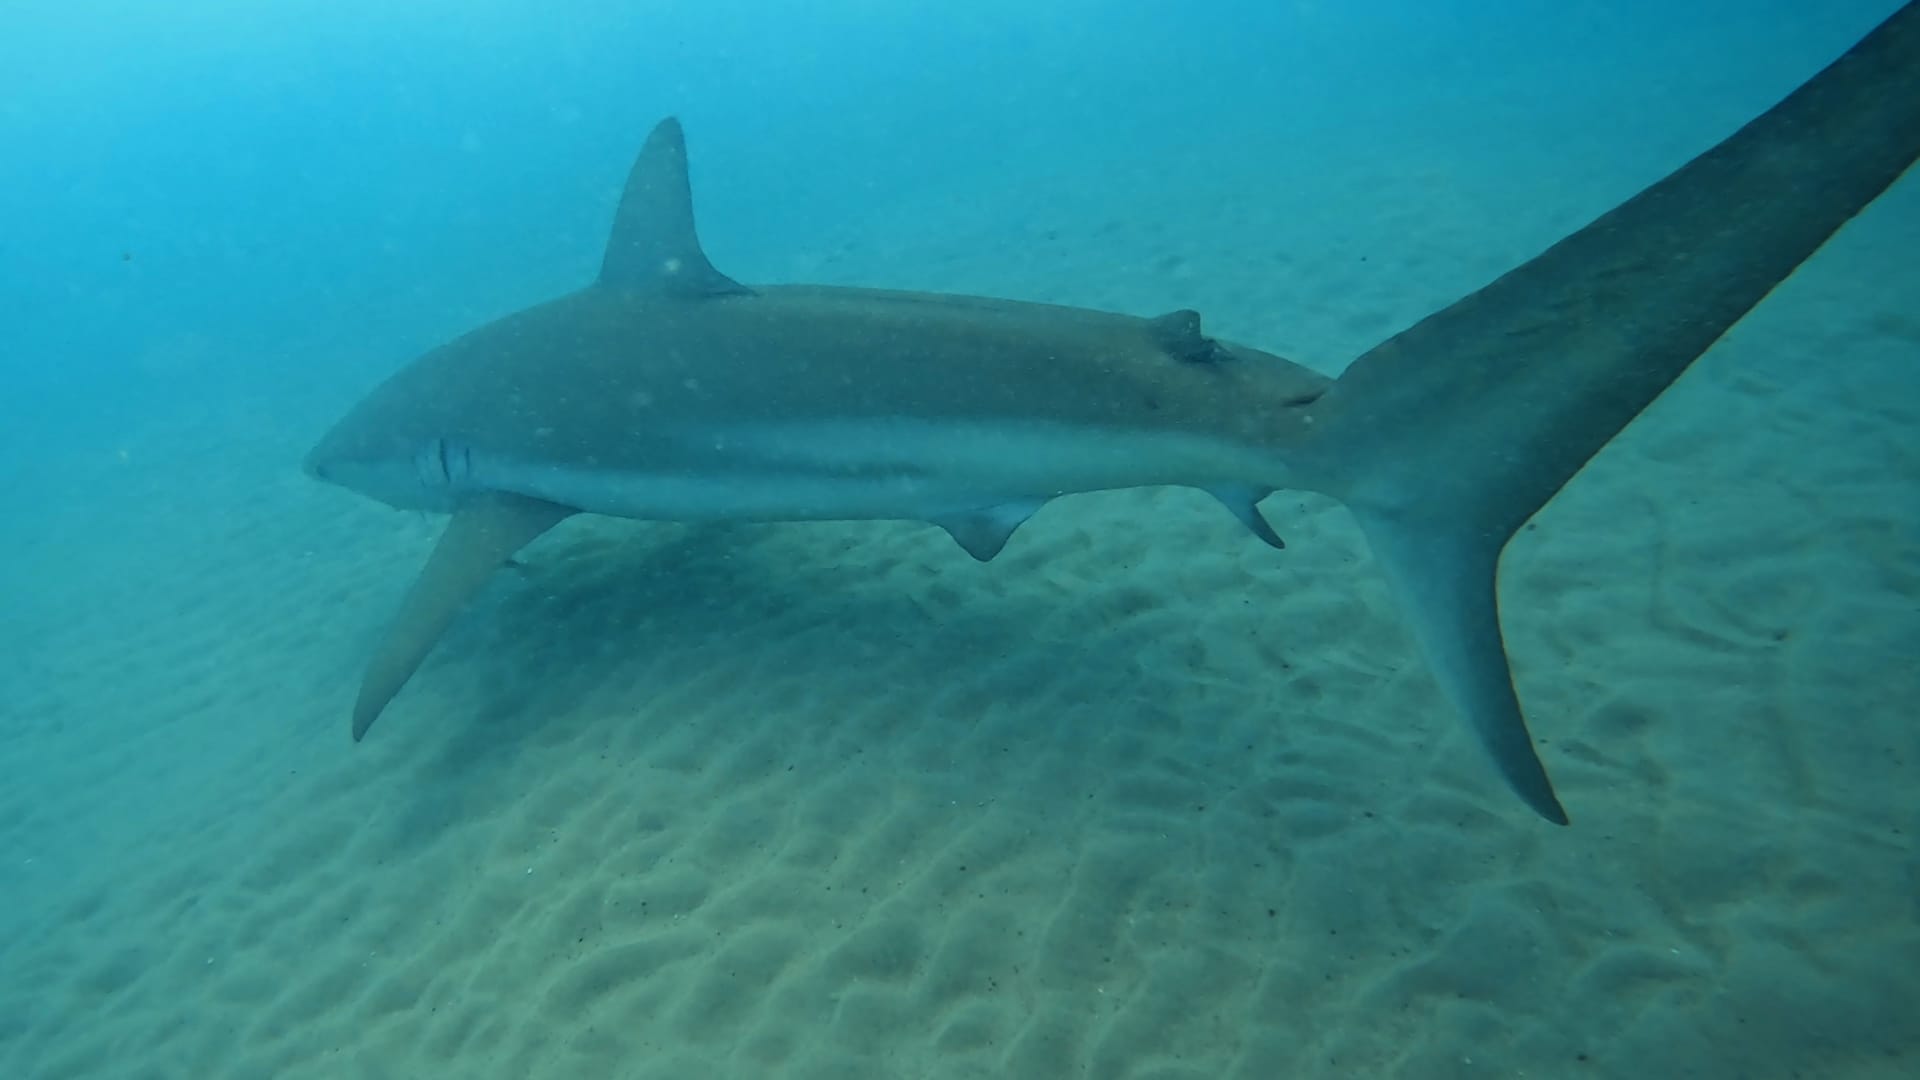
(667, 390)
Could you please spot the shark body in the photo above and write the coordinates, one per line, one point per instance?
(667, 390)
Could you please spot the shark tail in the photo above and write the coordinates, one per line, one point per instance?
(1446, 438)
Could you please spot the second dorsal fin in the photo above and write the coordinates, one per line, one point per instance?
(653, 245)
(1178, 334)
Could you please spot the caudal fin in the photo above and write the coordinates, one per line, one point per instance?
(1446, 438)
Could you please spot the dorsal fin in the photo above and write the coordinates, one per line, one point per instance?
(653, 245)
(1178, 333)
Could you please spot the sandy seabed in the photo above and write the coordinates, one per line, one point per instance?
(1141, 798)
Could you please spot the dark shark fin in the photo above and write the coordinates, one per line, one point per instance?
(480, 538)
(1445, 439)
(653, 245)
(982, 533)
(1244, 504)
(1178, 334)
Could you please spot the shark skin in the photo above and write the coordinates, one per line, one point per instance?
(666, 390)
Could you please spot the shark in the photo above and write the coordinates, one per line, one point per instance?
(667, 390)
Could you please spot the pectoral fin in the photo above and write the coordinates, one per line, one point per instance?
(481, 536)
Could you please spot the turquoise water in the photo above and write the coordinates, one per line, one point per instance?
(1140, 798)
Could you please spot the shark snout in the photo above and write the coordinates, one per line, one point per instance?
(315, 464)
(335, 454)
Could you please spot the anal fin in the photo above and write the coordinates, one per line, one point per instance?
(1244, 504)
(482, 534)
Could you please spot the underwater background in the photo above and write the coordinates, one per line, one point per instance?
(1142, 798)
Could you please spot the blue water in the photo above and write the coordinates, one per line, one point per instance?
(221, 222)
